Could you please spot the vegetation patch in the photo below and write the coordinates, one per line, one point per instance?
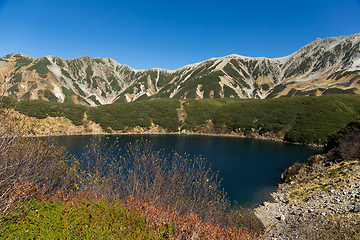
(94, 99)
(21, 62)
(65, 73)
(41, 109)
(14, 88)
(81, 220)
(143, 194)
(330, 91)
(41, 67)
(129, 115)
(49, 95)
(276, 90)
(67, 94)
(17, 78)
(80, 91)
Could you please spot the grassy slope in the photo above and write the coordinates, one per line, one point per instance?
(120, 116)
(301, 119)
(83, 220)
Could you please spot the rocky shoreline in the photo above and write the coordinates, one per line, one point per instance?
(323, 193)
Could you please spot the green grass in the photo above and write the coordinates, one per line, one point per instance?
(17, 78)
(14, 88)
(25, 96)
(21, 61)
(114, 83)
(68, 94)
(339, 91)
(41, 67)
(83, 220)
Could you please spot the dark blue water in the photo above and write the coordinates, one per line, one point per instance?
(250, 168)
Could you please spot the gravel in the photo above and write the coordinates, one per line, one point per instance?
(318, 192)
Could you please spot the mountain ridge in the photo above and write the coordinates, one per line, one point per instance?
(324, 66)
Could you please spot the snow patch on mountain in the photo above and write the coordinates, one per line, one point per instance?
(199, 93)
(23, 86)
(57, 92)
(223, 63)
(355, 65)
(175, 91)
(55, 69)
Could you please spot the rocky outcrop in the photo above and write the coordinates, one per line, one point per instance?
(324, 192)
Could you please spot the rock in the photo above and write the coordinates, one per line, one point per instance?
(356, 209)
(328, 164)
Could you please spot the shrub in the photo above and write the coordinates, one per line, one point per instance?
(120, 116)
(292, 171)
(28, 166)
(173, 182)
(335, 138)
(183, 189)
(349, 146)
(42, 109)
(40, 66)
(186, 184)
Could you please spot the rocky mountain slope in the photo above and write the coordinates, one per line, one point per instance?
(321, 202)
(325, 66)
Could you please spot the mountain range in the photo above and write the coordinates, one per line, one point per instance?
(324, 66)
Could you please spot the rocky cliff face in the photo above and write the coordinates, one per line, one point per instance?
(325, 66)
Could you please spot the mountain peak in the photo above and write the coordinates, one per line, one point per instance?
(324, 66)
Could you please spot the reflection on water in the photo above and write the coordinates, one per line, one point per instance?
(250, 168)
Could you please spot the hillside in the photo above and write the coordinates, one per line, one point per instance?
(319, 199)
(325, 66)
(307, 120)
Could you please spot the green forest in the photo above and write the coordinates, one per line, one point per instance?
(307, 120)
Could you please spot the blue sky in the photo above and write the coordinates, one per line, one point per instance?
(170, 34)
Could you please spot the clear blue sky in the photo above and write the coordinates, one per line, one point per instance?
(170, 34)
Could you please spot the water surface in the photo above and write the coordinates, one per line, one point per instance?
(250, 168)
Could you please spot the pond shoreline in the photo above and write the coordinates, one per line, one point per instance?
(179, 133)
(317, 195)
